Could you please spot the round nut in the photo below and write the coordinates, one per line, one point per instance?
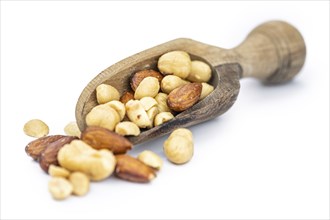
(184, 132)
(36, 128)
(106, 93)
(127, 128)
(175, 62)
(151, 159)
(103, 116)
(162, 103)
(56, 171)
(200, 72)
(80, 183)
(206, 90)
(171, 82)
(119, 107)
(60, 188)
(178, 149)
(163, 117)
(149, 86)
(148, 102)
(140, 75)
(137, 114)
(72, 129)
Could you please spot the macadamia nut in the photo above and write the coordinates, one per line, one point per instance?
(137, 114)
(206, 90)
(106, 93)
(162, 118)
(103, 116)
(151, 159)
(60, 188)
(72, 129)
(127, 128)
(171, 82)
(200, 72)
(175, 62)
(36, 128)
(149, 86)
(80, 183)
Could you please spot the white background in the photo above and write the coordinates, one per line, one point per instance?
(267, 157)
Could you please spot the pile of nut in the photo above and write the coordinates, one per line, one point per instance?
(100, 150)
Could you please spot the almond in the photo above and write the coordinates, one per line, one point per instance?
(184, 97)
(139, 76)
(126, 97)
(102, 138)
(34, 148)
(131, 169)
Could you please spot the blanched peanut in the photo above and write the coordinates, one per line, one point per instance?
(148, 102)
(137, 114)
(36, 128)
(175, 62)
(162, 104)
(119, 107)
(106, 93)
(80, 183)
(126, 128)
(60, 188)
(206, 90)
(162, 118)
(200, 72)
(56, 171)
(171, 82)
(103, 116)
(149, 86)
(152, 114)
(72, 129)
(151, 159)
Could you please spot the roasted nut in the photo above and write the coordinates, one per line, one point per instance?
(34, 148)
(149, 86)
(163, 117)
(127, 128)
(152, 114)
(148, 103)
(79, 156)
(131, 169)
(80, 183)
(126, 97)
(200, 72)
(119, 107)
(139, 76)
(49, 155)
(176, 62)
(184, 132)
(171, 82)
(36, 128)
(72, 129)
(184, 97)
(206, 90)
(151, 159)
(103, 116)
(60, 188)
(162, 103)
(137, 114)
(106, 93)
(102, 138)
(56, 171)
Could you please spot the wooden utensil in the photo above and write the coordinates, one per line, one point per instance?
(273, 52)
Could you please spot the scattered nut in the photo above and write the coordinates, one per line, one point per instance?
(175, 62)
(103, 116)
(106, 93)
(206, 90)
(56, 171)
(149, 86)
(139, 76)
(34, 148)
(163, 117)
(72, 129)
(171, 82)
(200, 72)
(127, 128)
(148, 103)
(36, 128)
(162, 104)
(80, 183)
(119, 107)
(137, 114)
(60, 188)
(126, 97)
(151, 159)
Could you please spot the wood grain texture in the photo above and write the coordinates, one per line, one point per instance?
(274, 52)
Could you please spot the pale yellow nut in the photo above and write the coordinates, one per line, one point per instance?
(178, 149)
(184, 132)
(106, 93)
(206, 90)
(162, 118)
(150, 159)
(148, 103)
(162, 104)
(175, 62)
(119, 107)
(137, 114)
(103, 116)
(79, 156)
(148, 87)
(127, 128)
(36, 128)
(200, 72)
(72, 129)
(152, 114)
(171, 82)
(60, 188)
(80, 183)
(56, 171)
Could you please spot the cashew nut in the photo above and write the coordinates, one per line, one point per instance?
(206, 90)
(162, 118)
(36, 128)
(126, 128)
(103, 116)
(200, 72)
(175, 62)
(137, 114)
(171, 82)
(106, 93)
(149, 86)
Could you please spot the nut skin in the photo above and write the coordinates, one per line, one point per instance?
(35, 148)
(128, 95)
(49, 155)
(131, 169)
(184, 97)
(102, 138)
(140, 75)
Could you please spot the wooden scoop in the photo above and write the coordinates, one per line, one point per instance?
(273, 52)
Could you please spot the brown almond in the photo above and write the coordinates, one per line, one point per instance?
(49, 155)
(102, 138)
(126, 97)
(184, 97)
(34, 148)
(139, 76)
(131, 169)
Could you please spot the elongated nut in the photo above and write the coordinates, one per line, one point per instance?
(106, 93)
(184, 132)
(151, 159)
(103, 116)
(72, 129)
(56, 171)
(79, 156)
(163, 117)
(152, 114)
(178, 149)
(102, 138)
(175, 62)
(137, 114)
(80, 183)
(140, 75)
(127, 128)
(131, 169)
(162, 103)
(206, 90)
(171, 82)
(200, 72)
(126, 97)
(36, 128)
(60, 188)
(119, 107)
(148, 103)
(149, 86)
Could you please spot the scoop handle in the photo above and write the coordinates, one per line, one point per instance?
(273, 52)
